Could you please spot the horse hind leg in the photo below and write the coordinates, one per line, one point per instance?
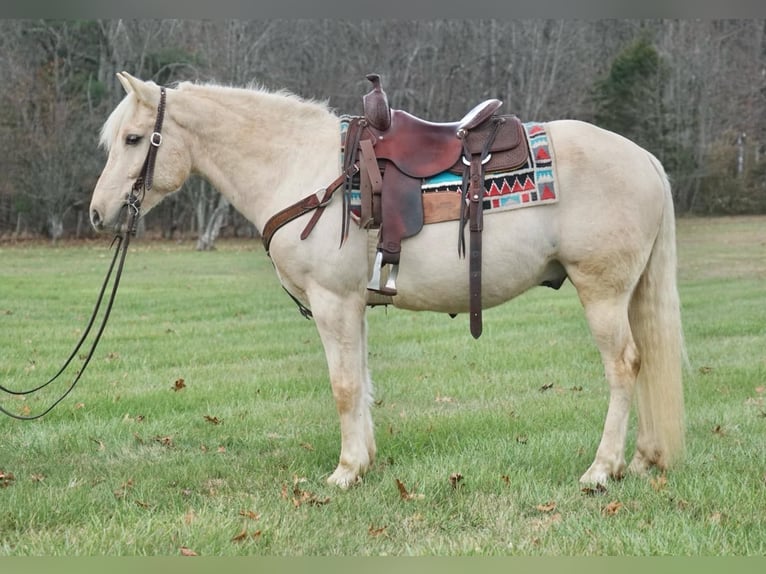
(608, 321)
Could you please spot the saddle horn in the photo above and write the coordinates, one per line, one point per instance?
(376, 108)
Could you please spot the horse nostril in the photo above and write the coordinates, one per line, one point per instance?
(95, 219)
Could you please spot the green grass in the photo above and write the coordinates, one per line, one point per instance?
(128, 466)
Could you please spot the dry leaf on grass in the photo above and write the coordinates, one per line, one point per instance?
(612, 508)
(454, 479)
(6, 479)
(659, 483)
(164, 440)
(373, 531)
(125, 487)
(187, 551)
(213, 420)
(546, 387)
(549, 506)
(250, 514)
(596, 490)
(301, 496)
(178, 385)
(404, 495)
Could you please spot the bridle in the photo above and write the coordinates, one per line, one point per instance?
(122, 237)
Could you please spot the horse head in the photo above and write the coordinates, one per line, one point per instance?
(127, 135)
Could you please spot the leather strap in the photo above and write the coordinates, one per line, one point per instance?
(302, 207)
(371, 184)
(475, 226)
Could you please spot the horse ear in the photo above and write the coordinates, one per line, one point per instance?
(123, 77)
(145, 91)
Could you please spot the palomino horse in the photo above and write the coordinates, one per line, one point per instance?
(611, 232)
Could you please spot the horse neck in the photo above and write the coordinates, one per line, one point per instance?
(261, 151)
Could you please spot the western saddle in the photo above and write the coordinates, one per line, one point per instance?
(396, 151)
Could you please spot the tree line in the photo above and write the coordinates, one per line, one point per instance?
(691, 92)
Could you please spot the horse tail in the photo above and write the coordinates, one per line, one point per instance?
(655, 320)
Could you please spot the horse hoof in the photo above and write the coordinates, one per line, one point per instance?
(343, 478)
(600, 473)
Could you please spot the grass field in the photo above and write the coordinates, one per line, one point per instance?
(205, 423)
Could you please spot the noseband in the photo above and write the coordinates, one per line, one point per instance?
(133, 203)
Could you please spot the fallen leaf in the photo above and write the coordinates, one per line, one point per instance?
(372, 531)
(549, 506)
(178, 385)
(79, 406)
(454, 479)
(213, 420)
(164, 440)
(124, 488)
(307, 446)
(241, 536)
(403, 494)
(506, 479)
(6, 479)
(301, 496)
(659, 483)
(546, 387)
(599, 489)
(142, 504)
(187, 551)
(221, 449)
(37, 477)
(250, 514)
(612, 508)
(718, 429)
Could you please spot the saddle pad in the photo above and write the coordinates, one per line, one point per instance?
(534, 183)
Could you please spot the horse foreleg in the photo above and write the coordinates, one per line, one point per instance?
(343, 329)
(608, 321)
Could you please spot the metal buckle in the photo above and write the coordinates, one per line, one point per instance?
(156, 139)
(484, 161)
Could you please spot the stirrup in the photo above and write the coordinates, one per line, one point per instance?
(390, 286)
(374, 284)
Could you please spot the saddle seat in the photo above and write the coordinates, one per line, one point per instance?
(420, 148)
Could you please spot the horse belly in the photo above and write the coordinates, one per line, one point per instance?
(518, 252)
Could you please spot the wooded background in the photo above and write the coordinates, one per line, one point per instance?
(691, 92)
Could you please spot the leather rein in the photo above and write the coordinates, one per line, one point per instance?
(122, 240)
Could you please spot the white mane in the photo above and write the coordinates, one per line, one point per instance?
(236, 97)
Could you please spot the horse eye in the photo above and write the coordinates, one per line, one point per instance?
(132, 139)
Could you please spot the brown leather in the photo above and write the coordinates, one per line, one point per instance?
(478, 115)
(370, 186)
(375, 104)
(402, 212)
(417, 147)
(302, 207)
(476, 225)
(509, 149)
(441, 206)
